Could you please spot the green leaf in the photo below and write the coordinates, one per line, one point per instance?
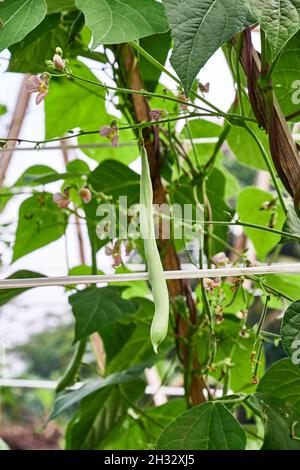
(32, 174)
(251, 208)
(199, 29)
(280, 20)
(97, 308)
(209, 426)
(29, 55)
(285, 283)
(119, 21)
(115, 179)
(290, 331)
(101, 414)
(57, 6)
(285, 77)
(40, 223)
(7, 294)
(245, 148)
(141, 433)
(137, 349)
(67, 399)
(158, 47)
(19, 17)
(81, 104)
(277, 402)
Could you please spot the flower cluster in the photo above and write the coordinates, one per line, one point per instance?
(57, 62)
(62, 200)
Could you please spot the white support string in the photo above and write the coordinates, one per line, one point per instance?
(144, 276)
(51, 385)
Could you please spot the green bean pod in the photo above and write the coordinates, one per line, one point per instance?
(159, 327)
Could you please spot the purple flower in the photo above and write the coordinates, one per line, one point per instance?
(155, 114)
(40, 85)
(111, 132)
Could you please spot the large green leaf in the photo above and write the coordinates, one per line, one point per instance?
(141, 433)
(57, 6)
(19, 17)
(7, 294)
(286, 77)
(118, 21)
(199, 28)
(158, 46)
(285, 283)
(136, 350)
(290, 331)
(97, 308)
(79, 104)
(277, 402)
(245, 148)
(70, 398)
(280, 19)
(210, 426)
(115, 179)
(251, 208)
(40, 223)
(32, 174)
(100, 415)
(29, 55)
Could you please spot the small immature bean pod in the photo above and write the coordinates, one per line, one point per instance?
(159, 327)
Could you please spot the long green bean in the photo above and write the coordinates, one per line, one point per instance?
(159, 327)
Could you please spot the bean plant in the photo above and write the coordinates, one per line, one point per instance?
(122, 80)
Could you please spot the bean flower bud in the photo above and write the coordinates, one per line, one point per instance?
(157, 114)
(220, 260)
(61, 200)
(85, 195)
(58, 62)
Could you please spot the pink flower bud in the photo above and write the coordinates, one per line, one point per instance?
(85, 194)
(58, 62)
(220, 260)
(61, 200)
